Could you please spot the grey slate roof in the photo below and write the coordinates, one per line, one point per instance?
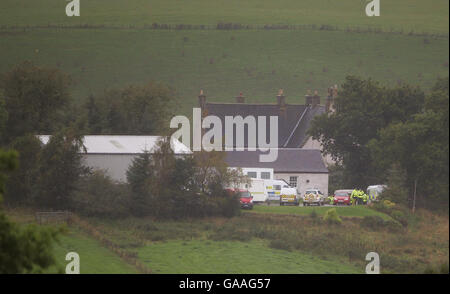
(290, 160)
(293, 120)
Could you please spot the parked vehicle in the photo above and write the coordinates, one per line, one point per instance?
(288, 195)
(313, 197)
(374, 191)
(258, 190)
(342, 197)
(246, 199)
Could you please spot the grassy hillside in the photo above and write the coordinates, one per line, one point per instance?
(122, 49)
(228, 257)
(223, 63)
(407, 15)
(94, 259)
(353, 211)
(253, 243)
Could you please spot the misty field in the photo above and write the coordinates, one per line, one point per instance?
(224, 63)
(399, 15)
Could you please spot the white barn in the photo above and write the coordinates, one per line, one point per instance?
(114, 154)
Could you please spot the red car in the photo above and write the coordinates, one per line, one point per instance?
(245, 198)
(342, 197)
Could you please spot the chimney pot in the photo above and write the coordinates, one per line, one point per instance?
(308, 97)
(240, 98)
(316, 99)
(201, 99)
(281, 100)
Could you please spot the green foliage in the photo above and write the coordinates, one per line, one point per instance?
(165, 186)
(396, 191)
(377, 223)
(132, 110)
(60, 170)
(331, 217)
(98, 195)
(138, 175)
(22, 250)
(3, 116)
(35, 99)
(420, 147)
(21, 184)
(362, 109)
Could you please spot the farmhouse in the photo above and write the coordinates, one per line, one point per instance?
(300, 161)
(114, 154)
(301, 168)
(294, 120)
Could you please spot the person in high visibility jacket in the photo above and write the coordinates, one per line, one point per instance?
(331, 199)
(354, 196)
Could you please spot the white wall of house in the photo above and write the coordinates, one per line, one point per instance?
(306, 181)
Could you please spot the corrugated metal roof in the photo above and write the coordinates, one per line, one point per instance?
(106, 144)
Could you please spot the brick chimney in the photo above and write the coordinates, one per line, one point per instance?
(308, 97)
(332, 95)
(281, 101)
(315, 99)
(240, 98)
(201, 99)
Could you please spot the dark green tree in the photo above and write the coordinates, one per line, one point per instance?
(363, 108)
(60, 169)
(138, 176)
(26, 249)
(137, 109)
(21, 184)
(420, 146)
(3, 118)
(35, 99)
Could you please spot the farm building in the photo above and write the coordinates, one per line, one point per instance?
(301, 168)
(114, 154)
(294, 120)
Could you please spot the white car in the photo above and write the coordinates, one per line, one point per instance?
(313, 197)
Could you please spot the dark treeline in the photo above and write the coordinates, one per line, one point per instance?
(35, 100)
(7, 29)
(395, 136)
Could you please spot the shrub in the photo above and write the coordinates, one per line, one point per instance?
(373, 222)
(331, 216)
(400, 216)
(280, 244)
(100, 196)
(393, 226)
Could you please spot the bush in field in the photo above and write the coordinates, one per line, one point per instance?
(280, 244)
(22, 249)
(400, 216)
(331, 217)
(373, 222)
(376, 223)
(100, 196)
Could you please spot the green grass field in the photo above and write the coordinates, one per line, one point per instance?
(223, 63)
(407, 15)
(94, 258)
(345, 211)
(232, 257)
